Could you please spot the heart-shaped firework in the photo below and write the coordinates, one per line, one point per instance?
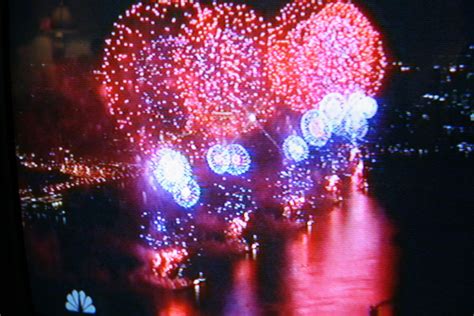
(179, 74)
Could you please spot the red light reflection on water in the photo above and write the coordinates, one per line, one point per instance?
(345, 265)
(177, 307)
(342, 267)
(242, 299)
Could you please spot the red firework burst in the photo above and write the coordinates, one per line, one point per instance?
(314, 52)
(178, 74)
(224, 82)
(139, 75)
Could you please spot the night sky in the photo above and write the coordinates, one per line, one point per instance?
(415, 30)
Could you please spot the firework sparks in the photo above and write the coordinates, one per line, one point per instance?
(224, 81)
(139, 75)
(316, 51)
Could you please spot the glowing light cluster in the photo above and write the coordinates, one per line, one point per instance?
(165, 261)
(332, 183)
(188, 194)
(362, 105)
(218, 159)
(239, 160)
(333, 158)
(237, 226)
(315, 50)
(333, 107)
(81, 172)
(233, 159)
(355, 128)
(340, 116)
(172, 171)
(358, 175)
(66, 185)
(316, 128)
(224, 79)
(295, 148)
(357, 110)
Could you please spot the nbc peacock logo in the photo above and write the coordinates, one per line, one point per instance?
(79, 302)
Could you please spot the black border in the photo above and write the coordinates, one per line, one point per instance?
(17, 299)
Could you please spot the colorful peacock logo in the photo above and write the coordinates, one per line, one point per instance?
(79, 302)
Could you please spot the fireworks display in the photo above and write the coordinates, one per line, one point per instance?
(294, 186)
(188, 194)
(218, 159)
(139, 75)
(190, 84)
(239, 160)
(295, 148)
(316, 128)
(212, 70)
(170, 169)
(224, 80)
(317, 50)
(175, 68)
(209, 74)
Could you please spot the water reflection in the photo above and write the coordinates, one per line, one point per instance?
(177, 307)
(342, 267)
(242, 299)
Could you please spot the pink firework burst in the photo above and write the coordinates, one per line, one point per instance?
(314, 52)
(139, 74)
(224, 82)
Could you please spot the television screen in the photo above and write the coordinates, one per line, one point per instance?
(272, 157)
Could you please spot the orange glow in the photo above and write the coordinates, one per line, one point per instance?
(165, 261)
(177, 307)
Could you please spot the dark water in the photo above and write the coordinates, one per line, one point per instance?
(431, 202)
